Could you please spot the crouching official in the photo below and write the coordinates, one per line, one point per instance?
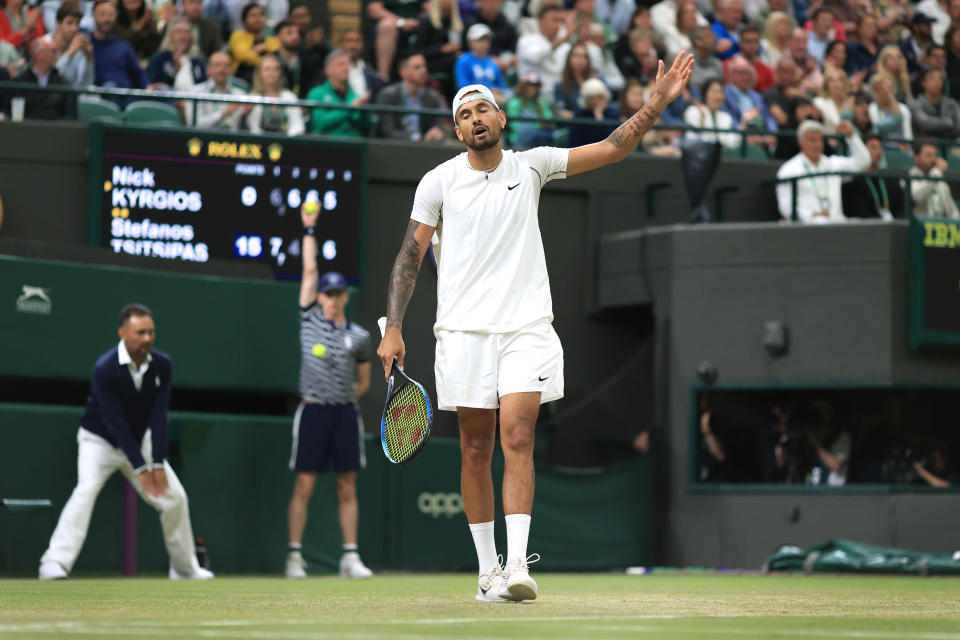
(125, 427)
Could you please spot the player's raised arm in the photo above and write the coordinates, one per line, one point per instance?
(308, 252)
(615, 148)
(403, 278)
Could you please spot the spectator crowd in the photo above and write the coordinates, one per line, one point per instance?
(889, 68)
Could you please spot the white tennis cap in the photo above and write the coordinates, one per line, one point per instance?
(470, 93)
(479, 30)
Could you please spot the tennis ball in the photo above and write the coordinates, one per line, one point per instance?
(319, 350)
(311, 207)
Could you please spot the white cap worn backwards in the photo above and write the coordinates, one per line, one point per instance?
(476, 92)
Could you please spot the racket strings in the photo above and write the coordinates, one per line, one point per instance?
(406, 422)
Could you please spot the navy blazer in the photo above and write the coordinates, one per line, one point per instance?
(120, 414)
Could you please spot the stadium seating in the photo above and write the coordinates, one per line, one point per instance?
(95, 108)
(150, 112)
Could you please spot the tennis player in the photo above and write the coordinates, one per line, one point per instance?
(496, 347)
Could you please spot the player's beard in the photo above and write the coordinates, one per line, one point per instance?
(493, 137)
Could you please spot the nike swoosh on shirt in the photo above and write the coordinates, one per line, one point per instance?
(513, 187)
(542, 379)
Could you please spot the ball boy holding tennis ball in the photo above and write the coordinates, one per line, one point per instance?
(496, 346)
(335, 357)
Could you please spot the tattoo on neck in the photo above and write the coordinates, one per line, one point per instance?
(403, 277)
(629, 133)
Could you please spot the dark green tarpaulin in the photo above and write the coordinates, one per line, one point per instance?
(845, 556)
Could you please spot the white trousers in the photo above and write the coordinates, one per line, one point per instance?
(97, 460)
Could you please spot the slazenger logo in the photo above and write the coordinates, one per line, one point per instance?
(35, 300)
(440, 504)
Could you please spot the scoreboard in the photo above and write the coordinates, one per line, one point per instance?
(194, 196)
(934, 282)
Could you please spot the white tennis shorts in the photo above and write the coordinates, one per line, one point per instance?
(477, 369)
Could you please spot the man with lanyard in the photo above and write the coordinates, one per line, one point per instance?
(818, 197)
(335, 359)
(873, 196)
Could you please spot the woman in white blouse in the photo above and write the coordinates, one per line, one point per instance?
(709, 116)
(776, 37)
(268, 83)
(834, 98)
(686, 21)
(891, 119)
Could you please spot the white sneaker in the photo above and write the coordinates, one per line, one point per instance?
(520, 586)
(351, 566)
(492, 584)
(296, 566)
(52, 571)
(199, 574)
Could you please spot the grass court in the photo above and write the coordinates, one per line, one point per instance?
(609, 606)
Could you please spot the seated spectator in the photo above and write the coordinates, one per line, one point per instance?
(706, 65)
(249, 44)
(336, 90)
(412, 92)
(640, 20)
(173, 66)
(18, 25)
(41, 71)
(49, 10)
(862, 52)
(594, 105)
(914, 47)
(476, 66)
(859, 114)
(935, 114)
(640, 63)
(818, 198)
(663, 19)
(891, 119)
(952, 47)
(821, 32)
(601, 58)
(811, 80)
(300, 74)
(835, 56)
(776, 37)
(939, 12)
(274, 118)
(834, 98)
(363, 78)
(312, 37)
(935, 58)
(679, 39)
(576, 71)
(503, 35)
(930, 197)
(273, 12)
(528, 102)
(136, 25)
(544, 53)
(10, 57)
(206, 35)
(115, 63)
(893, 66)
(727, 28)
(396, 24)
(709, 114)
(780, 98)
(940, 474)
(439, 37)
(219, 115)
(801, 110)
(750, 50)
(873, 196)
(74, 50)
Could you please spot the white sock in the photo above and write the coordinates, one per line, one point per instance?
(518, 530)
(482, 533)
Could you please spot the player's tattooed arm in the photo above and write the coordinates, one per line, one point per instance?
(403, 277)
(630, 132)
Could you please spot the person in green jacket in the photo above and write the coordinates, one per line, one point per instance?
(527, 101)
(336, 90)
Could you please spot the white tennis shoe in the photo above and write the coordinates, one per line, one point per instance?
(199, 574)
(52, 571)
(351, 566)
(296, 565)
(520, 586)
(492, 584)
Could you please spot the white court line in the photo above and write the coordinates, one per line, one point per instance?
(806, 633)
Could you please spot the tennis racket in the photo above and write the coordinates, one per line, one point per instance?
(407, 415)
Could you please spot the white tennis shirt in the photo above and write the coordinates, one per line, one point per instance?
(492, 270)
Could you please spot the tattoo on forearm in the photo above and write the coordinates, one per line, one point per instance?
(629, 133)
(403, 277)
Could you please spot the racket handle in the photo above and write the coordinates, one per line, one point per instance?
(382, 323)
